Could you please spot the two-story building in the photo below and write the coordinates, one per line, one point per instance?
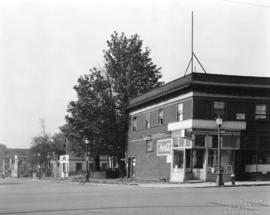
(173, 131)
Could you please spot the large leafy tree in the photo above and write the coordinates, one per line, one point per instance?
(99, 114)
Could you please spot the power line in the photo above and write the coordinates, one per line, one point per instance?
(247, 3)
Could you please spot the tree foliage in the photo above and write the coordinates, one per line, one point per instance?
(99, 113)
(44, 147)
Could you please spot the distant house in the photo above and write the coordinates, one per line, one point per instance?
(173, 130)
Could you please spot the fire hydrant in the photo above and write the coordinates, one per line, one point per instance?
(233, 179)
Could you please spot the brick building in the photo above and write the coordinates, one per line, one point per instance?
(173, 131)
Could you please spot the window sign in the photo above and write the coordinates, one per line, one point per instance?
(164, 147)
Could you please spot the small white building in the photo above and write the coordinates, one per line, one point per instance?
(74, 165)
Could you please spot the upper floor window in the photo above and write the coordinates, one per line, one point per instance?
(134, 123)
(261, 111)
(147, 120)
(180, 112)
(219, 109)
(160, 117)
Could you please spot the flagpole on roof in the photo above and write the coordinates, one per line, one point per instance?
(191, 63)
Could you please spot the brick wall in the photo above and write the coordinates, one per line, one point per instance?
(149, 166)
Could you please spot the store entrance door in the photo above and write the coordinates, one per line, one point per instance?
(178, 166)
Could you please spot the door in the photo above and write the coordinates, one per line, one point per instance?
(177, 167)
(131, 167)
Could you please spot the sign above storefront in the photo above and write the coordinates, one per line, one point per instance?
(164, 147)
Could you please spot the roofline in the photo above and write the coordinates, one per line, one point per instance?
(220, 80)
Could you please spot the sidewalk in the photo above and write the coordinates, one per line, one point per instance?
(148, 184)
(204, 184)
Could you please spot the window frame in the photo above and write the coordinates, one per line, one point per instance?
(79, 164)
(180, 113)
(160, 119)
(146, 146)
(134, 123)
(147, 120)
(266, 112)
(215, 114)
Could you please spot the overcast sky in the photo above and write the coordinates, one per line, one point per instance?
(46, 45)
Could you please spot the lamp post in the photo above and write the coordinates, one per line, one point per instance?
(87, 159)
(37, 156)
(219, 175)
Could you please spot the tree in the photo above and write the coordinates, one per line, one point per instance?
(99, 113)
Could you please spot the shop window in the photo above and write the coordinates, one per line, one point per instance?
(199, 140)
(104, 166)
(147, 120)
(160, 117)
(78, 166)
(219, 109)
(251, 157)
(91, 166)
(197, 158)
(134, 123)
(215, 141)
(264, 158)
(261, 111)
(180, 112)
(149, 146)
(229, 141)
(178, 159)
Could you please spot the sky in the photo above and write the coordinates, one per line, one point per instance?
(45, 46)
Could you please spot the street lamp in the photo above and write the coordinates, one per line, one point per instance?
(87, 159)
(37, 156)
(219, 175)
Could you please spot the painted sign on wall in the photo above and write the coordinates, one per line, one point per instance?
(164, 147)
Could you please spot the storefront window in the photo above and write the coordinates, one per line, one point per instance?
(264, 158)
(229, 141)
(178, 159)
(215, 141)
(199, 140)
(251, 157)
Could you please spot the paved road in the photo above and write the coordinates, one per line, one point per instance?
(20, 196)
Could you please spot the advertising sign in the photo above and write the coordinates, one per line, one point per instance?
(164, 147)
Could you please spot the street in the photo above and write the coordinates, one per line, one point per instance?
(25, 196)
